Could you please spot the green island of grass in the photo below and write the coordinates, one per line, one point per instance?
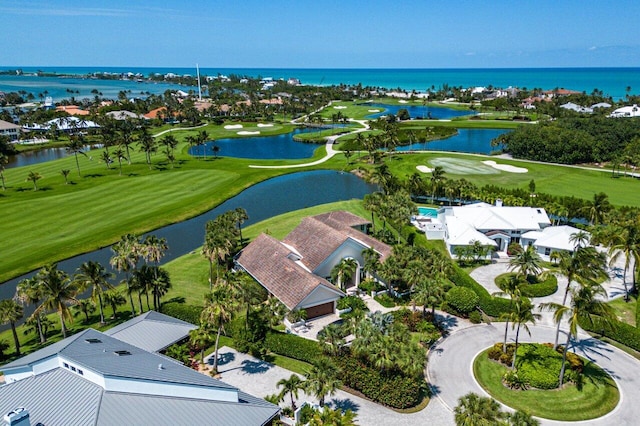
(598, 394)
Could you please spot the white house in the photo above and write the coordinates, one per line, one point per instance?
(550, 239)
(626, 111)
(496, 226)
(10, 130)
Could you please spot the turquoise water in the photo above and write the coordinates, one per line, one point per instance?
(427, 211)
(612, 81)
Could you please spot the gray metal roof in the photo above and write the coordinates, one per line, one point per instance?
(130, 409)
(46, 352)
(151, 331)
(57, 397)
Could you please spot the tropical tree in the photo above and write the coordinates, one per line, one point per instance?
(34, 177)
(93, 275)
(58, 293)
(219, 308)
(475, 410)
(119, 154)
(625, 241)
(75, 147)
(511, 288)
(371, 261)
(125, 258)
(114, 299)
(527, 262)
(276, 310)
(373, 202)
(586, 305)
(10, 313)
(65, 175)
(85, 307)
(322, 380)
(201, 338)
(240, 215)
(106, 158)
(521, 316)
(4, 160)
(291, 386)
(333, 417)
(428, 292)
(148, 145)
(331, 339)
(596, 210)
(30, 292)
(343, 271)
(437, 178)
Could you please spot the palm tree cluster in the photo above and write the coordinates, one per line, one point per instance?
(223, 235)
(475, 410)
(395, 207)
(128, 252)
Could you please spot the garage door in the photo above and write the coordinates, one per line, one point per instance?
(319, 310)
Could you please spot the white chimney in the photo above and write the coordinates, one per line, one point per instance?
(17, 417)
(498, 202)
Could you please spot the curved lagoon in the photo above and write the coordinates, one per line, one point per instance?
(474, 141)
(261, 201)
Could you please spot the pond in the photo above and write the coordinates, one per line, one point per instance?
(28, 158)
(261, 201)
(474, 141)
(418, 111)
(260, 147)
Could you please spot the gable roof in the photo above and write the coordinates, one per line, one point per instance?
(277, 268)
(318, 236)
(487, 217)
(151, 331)
(555, 237)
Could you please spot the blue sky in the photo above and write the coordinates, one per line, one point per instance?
(320, 34)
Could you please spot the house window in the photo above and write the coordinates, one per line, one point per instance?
(65, 365)
(73, 368)
(547, 251)
(80, 372)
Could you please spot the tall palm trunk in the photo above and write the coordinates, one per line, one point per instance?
(564, 358)
(63, 327)
(506, 330)
(564, 302)
(101, 308)
(140, 301)
(515, 352)
(133, 307)
(77, 164)
(40, 333)
(215, 356)
(15, 337)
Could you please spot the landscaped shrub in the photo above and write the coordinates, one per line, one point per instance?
(619, 331)
(462, 299)
(385, 300)
(353, 302)
(394, 390)
(492, 306)
(495, 352)
(188, 313)
(532, 287)
(293, 346)
(475, 317)
(539, 366)
(370, 285)
(408, 318)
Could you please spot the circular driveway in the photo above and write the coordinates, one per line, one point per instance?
(450, 368)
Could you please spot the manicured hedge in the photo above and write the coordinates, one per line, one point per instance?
(188, 313)
(545, 288)
(293, 346)
(394, 390)
(618, 331)
(353, 302)
(462, 299)
(492, 306)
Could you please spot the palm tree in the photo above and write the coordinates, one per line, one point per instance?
(322, 380)
(29, 292)
(65, 174)
(291, 386)
(58, 293)
(437, 177)
(4, 160)
(114, 299)
(147, 145)
(200, 338)
(625, 241)
(343, 271)
(521, 316)
(93, 275)
(585, 266)
(371, 261)
(511, 289)
(475, 410)
(585, 306)
(372, 202)
(75, 147)
(127, 128)
(429, 292)
(219, 308)
(11, 312)
(331, 339)
(240, 216)
(527, 262)
(124, 259)
(85, 307)
(34, 177)
(119, 154)
(595, 210)
(336, 417)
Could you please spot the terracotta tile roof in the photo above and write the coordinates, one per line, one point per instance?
(318, 236)
(267, 260)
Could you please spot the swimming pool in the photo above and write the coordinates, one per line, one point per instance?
(427, 211)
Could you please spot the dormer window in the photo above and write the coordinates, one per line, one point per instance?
(122, 353)
(93, 340)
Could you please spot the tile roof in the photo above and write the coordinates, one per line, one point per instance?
(273, 265)
(151, 331)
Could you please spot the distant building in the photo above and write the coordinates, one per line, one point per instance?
(72, 110)
(63, 124)
(601, 105)
(123, 115)
(116, 378)
(12, 131)
(577, 108)
(626, 111)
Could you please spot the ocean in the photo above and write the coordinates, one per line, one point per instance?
(613, 82)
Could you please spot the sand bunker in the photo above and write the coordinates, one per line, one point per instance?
(459, 166)
(442, 119)
(340, 107)
(423, 169)
(374, 110)
(233, 126)
(505, 167)
(402, 101)
(264, 125)
(244, 132)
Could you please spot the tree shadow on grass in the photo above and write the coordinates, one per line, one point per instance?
(596, 375)
(177, 299)
(94, 175)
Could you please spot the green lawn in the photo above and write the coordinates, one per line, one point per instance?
(552, 179)
(599, 394)
(625, 311)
